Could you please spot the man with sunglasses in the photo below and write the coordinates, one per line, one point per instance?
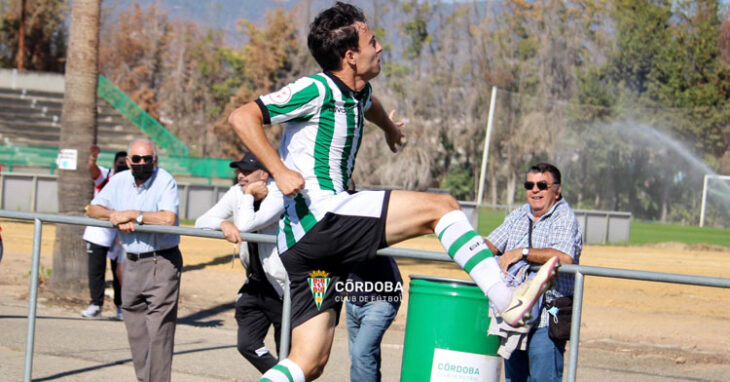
(253, 203)
(543, 228)
(146, 195)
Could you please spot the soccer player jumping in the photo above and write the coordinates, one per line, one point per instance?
(325, 228)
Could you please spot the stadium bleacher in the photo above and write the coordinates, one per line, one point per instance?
(33, 118)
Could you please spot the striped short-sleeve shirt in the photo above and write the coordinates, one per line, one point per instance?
(324, 126)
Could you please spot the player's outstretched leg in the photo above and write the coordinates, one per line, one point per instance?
(469, 250)
(416, 213)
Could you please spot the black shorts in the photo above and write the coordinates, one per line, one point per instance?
(321, 259)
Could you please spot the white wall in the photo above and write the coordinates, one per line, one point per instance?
(41, 81)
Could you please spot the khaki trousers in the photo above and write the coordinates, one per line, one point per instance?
(149, 304)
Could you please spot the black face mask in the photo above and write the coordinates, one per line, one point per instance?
(142, 172)
(121, 168)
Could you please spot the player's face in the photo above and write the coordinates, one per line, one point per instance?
(539, 199)
(368, 56)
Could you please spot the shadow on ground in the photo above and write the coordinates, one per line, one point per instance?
(197, 318)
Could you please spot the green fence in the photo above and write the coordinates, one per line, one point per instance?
(40, 156)
(135, 114)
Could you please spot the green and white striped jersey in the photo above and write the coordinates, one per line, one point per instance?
(324, 126)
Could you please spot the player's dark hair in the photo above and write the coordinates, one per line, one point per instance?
(332, 33)
(120, 154)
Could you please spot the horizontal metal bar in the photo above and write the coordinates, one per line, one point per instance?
(618, 214)
(27, 175)
(86, 221)
(721, 177)
(414, 254)
(395, 252)
(647, 275)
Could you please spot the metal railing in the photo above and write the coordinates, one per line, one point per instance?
(580, 271)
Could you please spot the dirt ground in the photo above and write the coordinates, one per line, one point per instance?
(646, 320)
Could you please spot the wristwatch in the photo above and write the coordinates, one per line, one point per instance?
(525, 252)
(139, 218)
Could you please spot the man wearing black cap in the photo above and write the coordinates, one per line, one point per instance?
(253, 203)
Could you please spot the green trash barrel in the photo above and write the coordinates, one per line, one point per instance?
(446, 333)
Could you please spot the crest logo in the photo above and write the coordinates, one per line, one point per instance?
(318, 283)
(282, 96)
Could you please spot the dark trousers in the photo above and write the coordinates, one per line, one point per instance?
(151, 290)
(97, 270)
(257, 308)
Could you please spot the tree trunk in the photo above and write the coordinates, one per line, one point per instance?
(78, 132)
(21, 38)
(511, 187)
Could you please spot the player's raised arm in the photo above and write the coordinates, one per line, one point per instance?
(248, 122)
(377, 115)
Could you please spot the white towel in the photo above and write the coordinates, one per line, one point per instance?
(510, 338)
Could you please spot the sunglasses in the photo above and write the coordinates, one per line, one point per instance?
(541, 185)
(138, 158)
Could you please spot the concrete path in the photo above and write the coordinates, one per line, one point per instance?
(70, 348)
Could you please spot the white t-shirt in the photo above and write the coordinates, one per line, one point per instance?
(97, 235)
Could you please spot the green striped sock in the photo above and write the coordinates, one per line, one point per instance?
(468, 249)
(284, 371)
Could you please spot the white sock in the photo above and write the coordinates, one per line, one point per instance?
(500, 296)
(469, 250)
(284, 371)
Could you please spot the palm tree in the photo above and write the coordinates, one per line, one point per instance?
(78, 132)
